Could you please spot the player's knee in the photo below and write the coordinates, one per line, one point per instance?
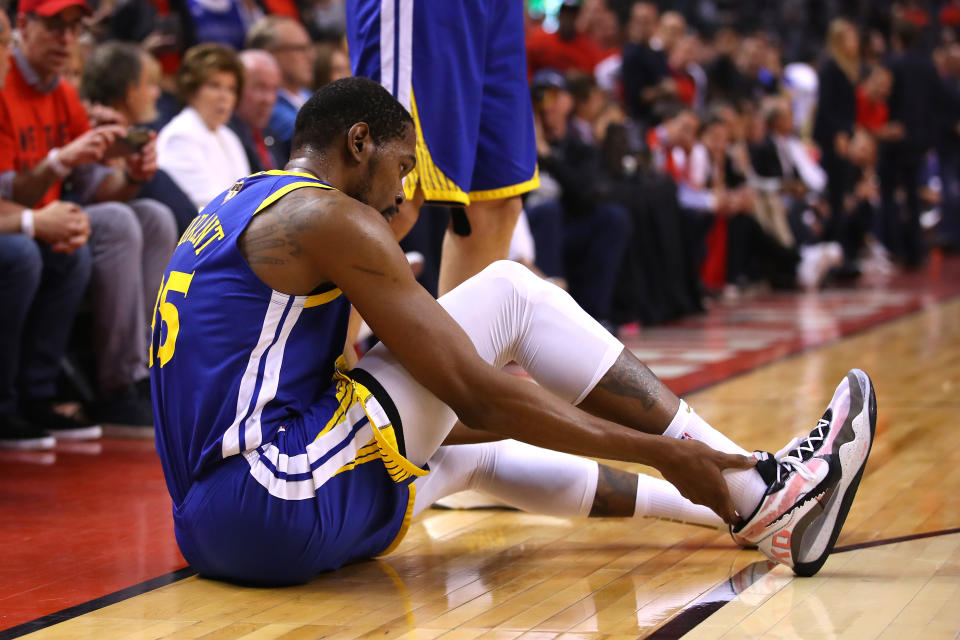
(522, 282)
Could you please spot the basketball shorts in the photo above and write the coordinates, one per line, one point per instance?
(460, 68)
(333, 488)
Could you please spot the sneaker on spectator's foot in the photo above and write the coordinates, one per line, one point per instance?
(17, 433)
(125, 413)
(41, 413)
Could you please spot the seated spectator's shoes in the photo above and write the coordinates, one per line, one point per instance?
(17, 433)
(845, 431)
(125, 413)
(782, 526)
(42, 414)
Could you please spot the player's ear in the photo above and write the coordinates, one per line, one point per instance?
(359, 143)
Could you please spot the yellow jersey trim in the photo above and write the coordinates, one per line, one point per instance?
(436, 186)
(284, 190)
(508, 192)
(322, 298)
(405, 525)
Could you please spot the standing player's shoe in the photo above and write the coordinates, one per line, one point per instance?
(843, 438)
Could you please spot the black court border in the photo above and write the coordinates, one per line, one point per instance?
(688, 618)
(696, 612)
(97, 603)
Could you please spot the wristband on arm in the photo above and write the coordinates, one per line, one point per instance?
(26, 223)
(53, 160)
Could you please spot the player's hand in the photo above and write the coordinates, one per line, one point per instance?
(62, 225)
(695, 470)
(90, 146)
(142, 165)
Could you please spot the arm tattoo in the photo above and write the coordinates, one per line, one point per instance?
(616, 494)
(274, 239)
(630, 378)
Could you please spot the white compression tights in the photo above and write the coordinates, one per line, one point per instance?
(511, 314)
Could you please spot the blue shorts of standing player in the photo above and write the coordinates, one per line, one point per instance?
(460, 68)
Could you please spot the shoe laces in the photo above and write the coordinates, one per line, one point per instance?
(804, 447)
(788, 464)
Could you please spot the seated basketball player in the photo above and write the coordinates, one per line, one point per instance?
(281, 464)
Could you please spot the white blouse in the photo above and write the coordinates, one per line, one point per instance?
(202, 162)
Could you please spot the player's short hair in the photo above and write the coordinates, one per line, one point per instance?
(202, 61)
(111, 69)
(338, 106)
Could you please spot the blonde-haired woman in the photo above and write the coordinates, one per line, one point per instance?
(196, 148)
(837, 107)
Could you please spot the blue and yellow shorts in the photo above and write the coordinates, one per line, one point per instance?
(460, 68)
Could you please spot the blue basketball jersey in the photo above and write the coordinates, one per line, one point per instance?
(280, 464)
(232, 359)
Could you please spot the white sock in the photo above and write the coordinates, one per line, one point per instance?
(745, 485)
(659, 499)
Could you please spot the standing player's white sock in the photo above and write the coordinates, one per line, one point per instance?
(657, 498)
(746, 485)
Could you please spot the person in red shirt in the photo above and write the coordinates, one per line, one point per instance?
(565, 49)
(44, 269)
(47, 148)
(873, 114)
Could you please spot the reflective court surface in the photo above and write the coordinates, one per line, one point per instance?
(94, 521)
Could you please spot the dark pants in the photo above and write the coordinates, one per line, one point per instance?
(163, 189)
(753, 254)
(900, 228)
(949, 230)
(39, 294)
(591, 246)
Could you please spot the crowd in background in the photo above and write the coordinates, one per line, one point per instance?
(685, 151)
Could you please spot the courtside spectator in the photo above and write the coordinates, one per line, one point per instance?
(331, 63)
(47, 149)
(223, 21)
(837, 109)
(646, 78)
(593, 229)
(120, 83)
(250, 122)
(290, 44)
(44, 268)
(948, 149)
(566, 49)
(914, 104)
(197, 148)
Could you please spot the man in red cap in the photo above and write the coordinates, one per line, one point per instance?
(47, 148)
(44, 268)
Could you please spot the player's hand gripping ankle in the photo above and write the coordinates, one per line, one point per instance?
(695, 470)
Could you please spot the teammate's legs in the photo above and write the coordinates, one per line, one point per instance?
(510, 314)
(491, 227)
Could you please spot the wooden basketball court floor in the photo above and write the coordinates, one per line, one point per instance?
(88, 550)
